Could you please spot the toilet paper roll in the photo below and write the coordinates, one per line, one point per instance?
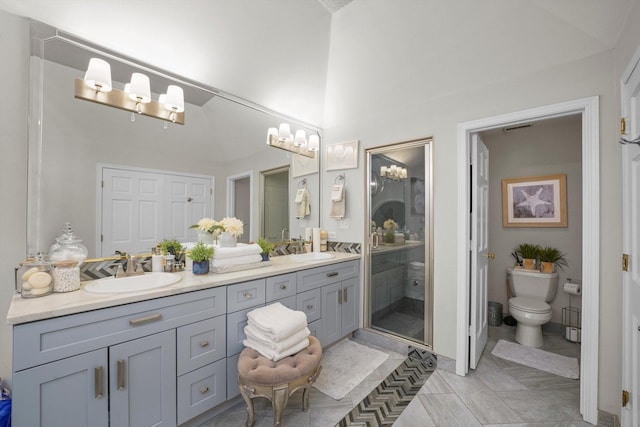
(572, 288)
(316, 239)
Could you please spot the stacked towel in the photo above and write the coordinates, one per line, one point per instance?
(276, 331)
(239, 255)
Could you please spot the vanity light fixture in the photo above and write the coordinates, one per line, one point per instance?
(282, 138)
(393, 172)
(136, 96)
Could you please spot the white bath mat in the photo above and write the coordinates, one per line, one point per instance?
(345, 365)
(538, 359)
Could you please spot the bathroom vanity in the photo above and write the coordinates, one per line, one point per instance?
(162, 357)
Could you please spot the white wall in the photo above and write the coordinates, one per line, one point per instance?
(388, 86)
(543, 149)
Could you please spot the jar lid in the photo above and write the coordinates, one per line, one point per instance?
(67, 263)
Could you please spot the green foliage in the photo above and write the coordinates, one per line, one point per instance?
(549, 254)
(528, 250)
(201, 252)
(265, 245)
(172, 247)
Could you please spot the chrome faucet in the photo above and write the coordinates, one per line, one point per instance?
(134, 268)
(297, 245)
(282, 234)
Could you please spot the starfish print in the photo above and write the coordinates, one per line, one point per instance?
(533, 201)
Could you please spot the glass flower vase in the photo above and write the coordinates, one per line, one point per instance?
(227, 240)
(205, 237)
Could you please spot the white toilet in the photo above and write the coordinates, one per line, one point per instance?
(530, 293)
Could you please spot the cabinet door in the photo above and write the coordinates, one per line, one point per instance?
(69, 392)
(331, 314)
(142, 379)
(349, 306)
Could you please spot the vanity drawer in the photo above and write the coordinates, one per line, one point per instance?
(289, 302)
(279, 287)
(245, 295)
(232, 376)
(52, 339)
(320, 276)
(383, 262)
(235, 331)
(201, 343)
(309, 302)
(201, 390)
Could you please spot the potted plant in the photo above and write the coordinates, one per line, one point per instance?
(550, 257)
(389, 235)
(201, 254)
(266, 247)
(172, 247)
(529, 254)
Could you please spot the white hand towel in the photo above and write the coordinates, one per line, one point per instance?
(277, 321)
(292, 340)
(338, 202)
(337, 192)
(272, 354)
(240, 250)
(303, 208)
(245, 259)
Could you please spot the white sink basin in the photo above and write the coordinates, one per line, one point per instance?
(312, 256)
(148, 281)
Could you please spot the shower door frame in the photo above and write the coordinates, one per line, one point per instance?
(427, 143)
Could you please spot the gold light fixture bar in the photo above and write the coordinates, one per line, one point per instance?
(120, 99)
(288, 145)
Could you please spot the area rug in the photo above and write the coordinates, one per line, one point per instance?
(538, 359)
(385, 403)
(345, 365)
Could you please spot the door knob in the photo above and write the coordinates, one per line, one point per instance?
(491, 255)
(189, 199)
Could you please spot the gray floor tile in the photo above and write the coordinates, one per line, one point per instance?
(448, 410)
(489, 408)
(415, 415)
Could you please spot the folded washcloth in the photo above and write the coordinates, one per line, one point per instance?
(276, 321)
(240, 250)
(256, 335)
(245, 259)
(272, 354)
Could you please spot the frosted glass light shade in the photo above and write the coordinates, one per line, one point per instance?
(300, 139)
(314, 143)
(271, 132)
(284, 132)
(140, 88)
(98, 75)
(175, 99)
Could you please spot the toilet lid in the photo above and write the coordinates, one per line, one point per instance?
(529, 304)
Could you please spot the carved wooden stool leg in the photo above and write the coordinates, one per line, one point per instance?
(279, 401)
(247, 395)
(305, 399)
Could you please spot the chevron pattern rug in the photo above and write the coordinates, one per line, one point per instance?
(385, 403)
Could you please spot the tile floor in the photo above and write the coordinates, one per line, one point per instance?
(497, 393)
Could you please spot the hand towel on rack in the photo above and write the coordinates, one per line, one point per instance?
(302, 203)
(277, 321)
(338, 201)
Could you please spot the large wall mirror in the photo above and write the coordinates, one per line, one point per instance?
(72, 141)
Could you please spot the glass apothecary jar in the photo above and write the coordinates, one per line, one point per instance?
(35, 277)
(68, 247)
(66, 276)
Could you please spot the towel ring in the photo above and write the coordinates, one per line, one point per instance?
(302, 183)
(338, 178)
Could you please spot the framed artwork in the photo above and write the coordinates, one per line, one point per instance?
(302, 165)
(535, 201)
(417, 196)
(342, 155)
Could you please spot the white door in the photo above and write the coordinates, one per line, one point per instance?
(478, 329)
(132, 212)
(188, 200)
(630, 413)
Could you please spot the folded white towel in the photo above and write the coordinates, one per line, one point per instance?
(241, 249)
(277, 321)
(256, 335)
(272, 354)
(245, 259)
(337, 193)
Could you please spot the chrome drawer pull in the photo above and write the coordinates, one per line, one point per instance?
(345, 295)
(340, 296)
(99, 382)
(309, 307)
(121, 369)
(283, 287)
(204, 343)
(204, 389)
(332, 274)
(248, 295)
(146, 319)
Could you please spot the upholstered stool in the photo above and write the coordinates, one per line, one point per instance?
(261, 377)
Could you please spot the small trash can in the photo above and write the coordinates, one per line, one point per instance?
(495, 313)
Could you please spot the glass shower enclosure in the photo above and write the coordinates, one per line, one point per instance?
(400, 244)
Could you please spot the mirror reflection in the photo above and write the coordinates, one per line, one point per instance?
(126, 181)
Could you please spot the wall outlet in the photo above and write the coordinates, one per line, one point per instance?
(332, 235)
(344, 223)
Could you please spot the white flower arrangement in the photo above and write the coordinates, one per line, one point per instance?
(232, 225)
(390, 224)
(208, 225)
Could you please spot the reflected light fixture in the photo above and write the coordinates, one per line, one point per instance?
(282, 138)
(136, 96)
(393, 172)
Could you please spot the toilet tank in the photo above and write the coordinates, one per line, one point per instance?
(532, 284)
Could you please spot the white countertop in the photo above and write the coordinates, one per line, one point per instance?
(24, 310)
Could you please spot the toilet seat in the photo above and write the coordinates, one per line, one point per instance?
(529, 305)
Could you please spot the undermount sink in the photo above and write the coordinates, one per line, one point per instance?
(145, 282)
(312, 256)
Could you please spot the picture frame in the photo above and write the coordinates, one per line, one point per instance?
(302, 165)
(342, 155)
(535, 201)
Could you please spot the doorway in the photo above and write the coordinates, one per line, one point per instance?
(398, 290)
(239, 197)
(275, 203)
(588, 110)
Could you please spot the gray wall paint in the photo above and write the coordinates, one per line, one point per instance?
(546, 148)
